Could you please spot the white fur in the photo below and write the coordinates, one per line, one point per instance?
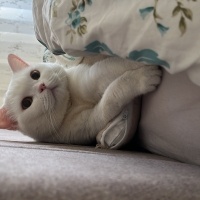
(85, 99)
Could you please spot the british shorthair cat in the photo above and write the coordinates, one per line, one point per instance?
(72, 105)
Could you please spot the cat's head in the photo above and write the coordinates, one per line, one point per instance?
(36, 100)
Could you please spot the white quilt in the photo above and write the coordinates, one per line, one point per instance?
(160, 32)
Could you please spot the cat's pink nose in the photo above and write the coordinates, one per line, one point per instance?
(42, 87)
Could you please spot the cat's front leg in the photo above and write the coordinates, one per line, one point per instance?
(124, 89)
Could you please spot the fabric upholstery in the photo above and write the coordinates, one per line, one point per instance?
(170, 119)
(30, 170)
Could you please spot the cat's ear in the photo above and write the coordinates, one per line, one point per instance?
(5, 121)
(16, 63)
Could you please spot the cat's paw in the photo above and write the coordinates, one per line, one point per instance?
(149, 78)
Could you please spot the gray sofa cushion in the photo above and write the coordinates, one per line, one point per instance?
(170, 121)
(30, 170)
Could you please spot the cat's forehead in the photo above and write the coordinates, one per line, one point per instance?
(41, 67)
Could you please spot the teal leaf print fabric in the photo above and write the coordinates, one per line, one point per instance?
(179, 9)
(76, 22)
(162, 28)
(74, 19)
(150, 31)
(145, 11)
(148, 56)
(98, 47)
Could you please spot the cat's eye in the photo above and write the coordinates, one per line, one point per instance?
(35, 74)
(26, 102)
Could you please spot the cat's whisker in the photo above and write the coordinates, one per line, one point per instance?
(51, 78)
(49, 122)
(61, 75)
(51, 126)
(52, 75)
(53, 122)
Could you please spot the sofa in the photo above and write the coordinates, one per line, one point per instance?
(31, 170)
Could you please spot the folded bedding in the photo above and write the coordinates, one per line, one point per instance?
(155, 32)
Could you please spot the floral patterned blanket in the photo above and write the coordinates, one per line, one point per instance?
(160, 32)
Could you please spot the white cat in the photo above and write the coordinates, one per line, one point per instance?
(52, 104)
